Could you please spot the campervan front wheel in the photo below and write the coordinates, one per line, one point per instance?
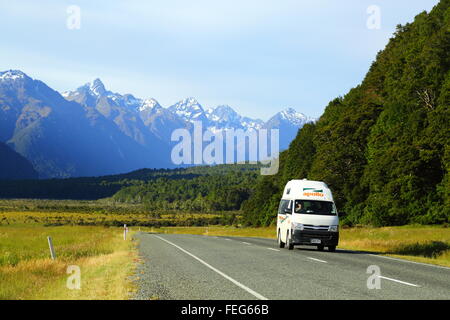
(289, 243)
(280, 243)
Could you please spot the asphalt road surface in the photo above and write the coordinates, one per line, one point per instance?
(224, 268)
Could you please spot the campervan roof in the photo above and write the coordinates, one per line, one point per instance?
(307, 189)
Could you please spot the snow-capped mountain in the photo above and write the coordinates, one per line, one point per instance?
(63, 138)
(148, 105)
(225, 117)
(96, 90)
(288, 122)
(12, 75)
(93, 131)
(294, 117)
(132, 116)
(189, 110)
(183, 112)
(161, 122)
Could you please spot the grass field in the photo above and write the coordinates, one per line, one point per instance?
(106, 219)
(105, 260)
(427, 244)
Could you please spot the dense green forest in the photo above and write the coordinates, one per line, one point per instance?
(205, 193)
(383, 148)
(194, 189)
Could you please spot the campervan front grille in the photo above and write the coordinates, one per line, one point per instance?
(316, 235)
(312, 227)
(326, 236)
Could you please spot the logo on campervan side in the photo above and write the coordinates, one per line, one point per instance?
(313, 192)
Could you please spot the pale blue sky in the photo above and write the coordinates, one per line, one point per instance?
(258, 56)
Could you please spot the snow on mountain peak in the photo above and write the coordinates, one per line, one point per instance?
(148, 104)
(12, 75)
(97, 87)
(225, 117)
(190, 103)
(222, 113)
(189, 109)
(293, 116)
(224, 109)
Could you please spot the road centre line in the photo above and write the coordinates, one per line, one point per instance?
(402, 282)
(273, 249)
(318, 260)
(252, 292)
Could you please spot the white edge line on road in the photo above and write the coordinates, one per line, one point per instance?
(254, 293)
(227, 239)
(403, 260)
(246, 243)
(317, 260)
(273, 249)
(402, 282)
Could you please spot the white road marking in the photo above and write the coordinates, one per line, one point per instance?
(402, 282)
(317, 260)
(227, 239)
(246, 243)
(403, 260)
(273, 249)
(252, 292)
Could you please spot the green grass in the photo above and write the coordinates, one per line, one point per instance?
(27, 272)
(428, 244)
(105, 219)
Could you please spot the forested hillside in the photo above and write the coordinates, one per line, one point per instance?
(204, 193)
(383, 148)
(194, 189)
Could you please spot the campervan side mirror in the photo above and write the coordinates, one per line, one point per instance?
(287, 210)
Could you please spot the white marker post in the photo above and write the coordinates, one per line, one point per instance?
(125, 231)
(52, 250)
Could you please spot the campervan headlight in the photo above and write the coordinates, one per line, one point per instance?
(333, 228)
(297, 226)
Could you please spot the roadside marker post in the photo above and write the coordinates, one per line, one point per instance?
(52, 250)
(125, 231)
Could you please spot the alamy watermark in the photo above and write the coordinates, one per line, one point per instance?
(374, 280)
(226, 146)
(73, 21)
(74, 280)
(374, 19)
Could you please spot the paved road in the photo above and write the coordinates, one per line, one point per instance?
(205, 267)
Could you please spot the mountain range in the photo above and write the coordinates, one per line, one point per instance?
(92, 131)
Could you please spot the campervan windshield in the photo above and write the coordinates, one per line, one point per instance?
(315, 207)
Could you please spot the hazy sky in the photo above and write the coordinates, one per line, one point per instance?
(258, 56)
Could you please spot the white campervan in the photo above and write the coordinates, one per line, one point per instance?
(307, 215)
